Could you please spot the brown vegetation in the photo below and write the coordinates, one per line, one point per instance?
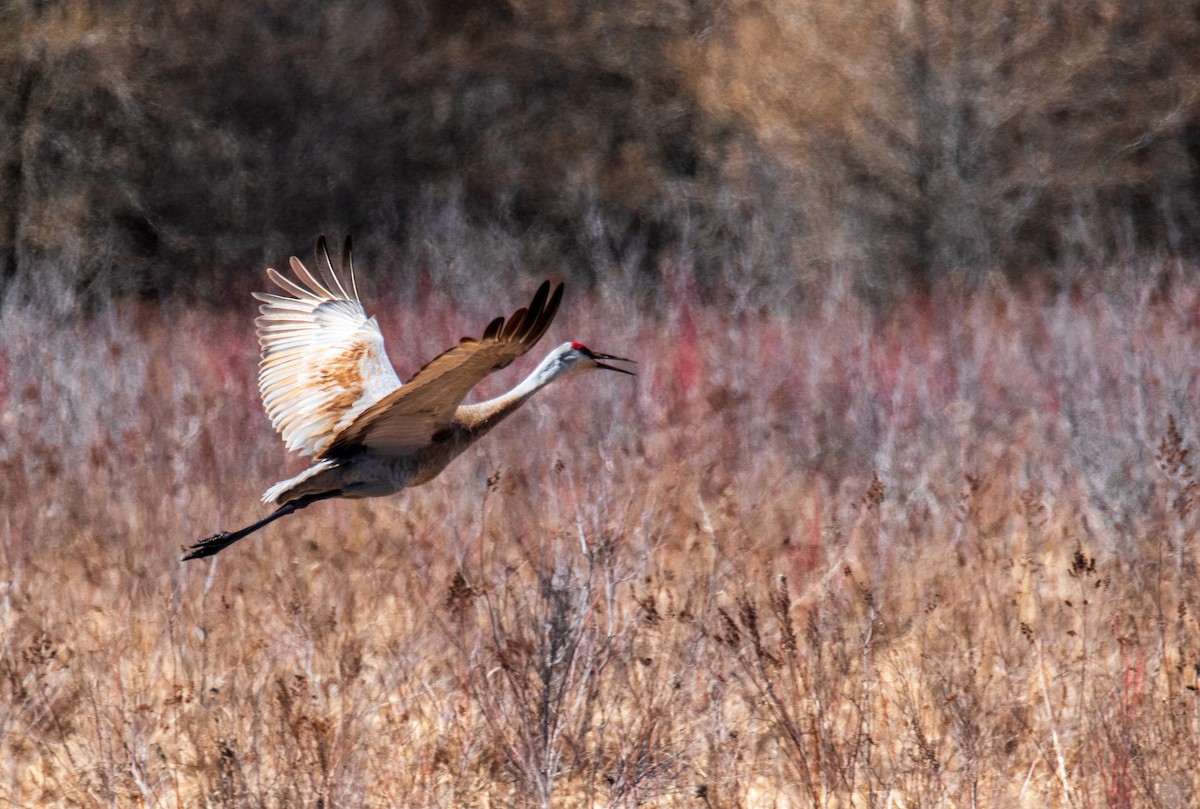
(943, 557)
(822, 552)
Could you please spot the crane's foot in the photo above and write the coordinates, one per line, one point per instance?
(213, 544)
(219, 542)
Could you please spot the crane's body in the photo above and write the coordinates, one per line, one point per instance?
(331, 392)
(369, 473)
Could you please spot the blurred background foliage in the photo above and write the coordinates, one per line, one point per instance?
(156, 148)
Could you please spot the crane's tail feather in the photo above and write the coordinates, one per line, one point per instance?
(294, 488)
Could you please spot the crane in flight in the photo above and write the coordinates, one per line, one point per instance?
(331, 393)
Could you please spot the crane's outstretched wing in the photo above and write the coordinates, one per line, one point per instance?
(411, 417)
(323, 360)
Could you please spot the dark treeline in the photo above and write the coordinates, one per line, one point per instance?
(149, 147)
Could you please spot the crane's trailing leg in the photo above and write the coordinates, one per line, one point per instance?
(221, 541)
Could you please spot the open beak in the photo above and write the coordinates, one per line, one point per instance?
(597, 357)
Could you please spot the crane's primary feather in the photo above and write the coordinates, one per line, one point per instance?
(323, 360)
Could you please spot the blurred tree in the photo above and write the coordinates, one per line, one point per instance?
(145, 145)
(166, 139)
(933, 136)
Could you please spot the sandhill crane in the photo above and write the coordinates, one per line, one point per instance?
(331, 393)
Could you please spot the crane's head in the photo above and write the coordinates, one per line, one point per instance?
(576, 358)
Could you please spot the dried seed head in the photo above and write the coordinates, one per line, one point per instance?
(1172, 455)
(459, 595)
(732, 636)
(782, 603)
(650, 613)
(1081, 564)
(875, 492)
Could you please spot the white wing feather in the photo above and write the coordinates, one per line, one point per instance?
(323, 360)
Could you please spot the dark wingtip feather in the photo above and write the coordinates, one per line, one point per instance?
(539, 300)
(537, 311)
(547, 316)
(493, 329)
(514, 324)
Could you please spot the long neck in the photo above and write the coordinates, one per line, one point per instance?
(477, 419)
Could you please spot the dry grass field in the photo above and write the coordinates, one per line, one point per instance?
(940, 555)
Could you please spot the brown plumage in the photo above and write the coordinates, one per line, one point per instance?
(331, 393)
(410, 416)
